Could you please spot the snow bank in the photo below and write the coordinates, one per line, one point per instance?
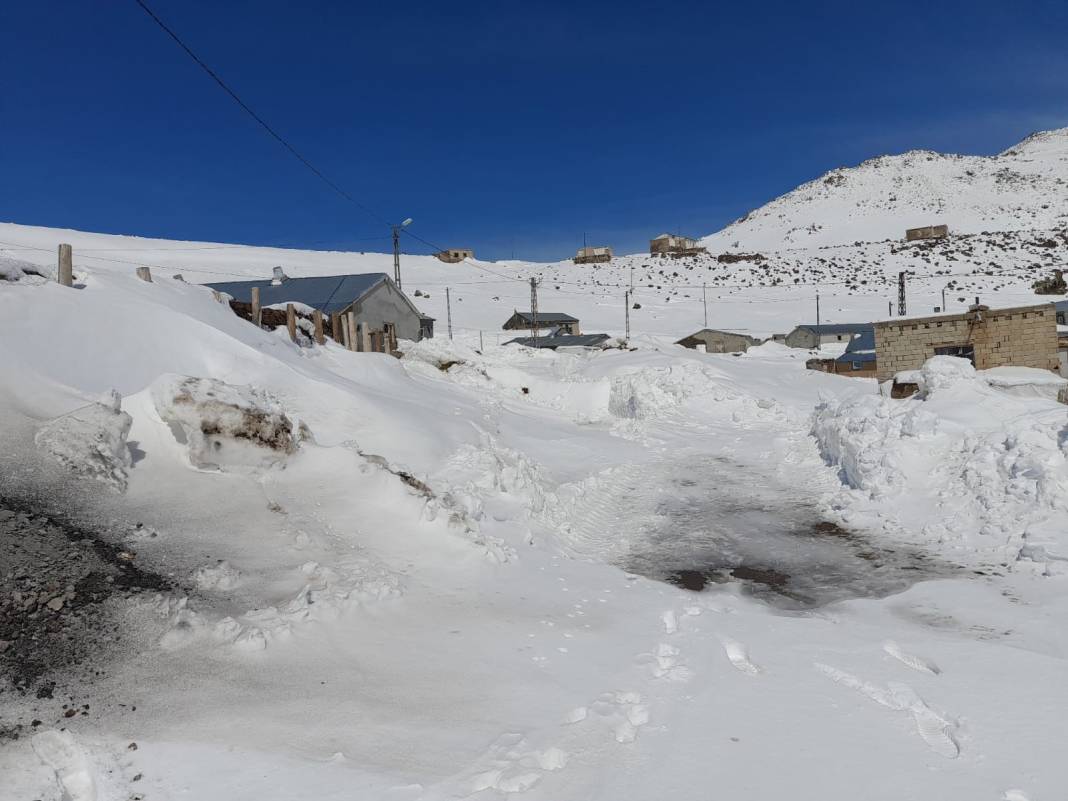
(983, 472)
(91, 441)
(651, 391)
(226, 427)
(16, 269)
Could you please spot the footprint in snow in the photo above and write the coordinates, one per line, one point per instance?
(911, 660)
(738, 655)
(511, 766)
(938, 731)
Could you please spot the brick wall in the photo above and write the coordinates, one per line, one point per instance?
(1024, 336)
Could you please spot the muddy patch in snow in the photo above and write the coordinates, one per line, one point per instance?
(713, 522)
(66, 594)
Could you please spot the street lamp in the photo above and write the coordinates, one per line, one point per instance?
(396, 250)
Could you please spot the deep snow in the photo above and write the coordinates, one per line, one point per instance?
(429, 596)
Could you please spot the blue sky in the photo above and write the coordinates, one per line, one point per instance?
(505, 126)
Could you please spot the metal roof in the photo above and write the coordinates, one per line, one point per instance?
(548, 317)
(562, 341)
(838, 328)
(860, 349)
(327, 293)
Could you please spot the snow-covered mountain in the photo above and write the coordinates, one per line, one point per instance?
(1022, 188)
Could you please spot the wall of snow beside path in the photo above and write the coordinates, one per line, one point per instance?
(970, 469)
(70, 345)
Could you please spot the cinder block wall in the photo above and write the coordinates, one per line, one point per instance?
(1024, 336)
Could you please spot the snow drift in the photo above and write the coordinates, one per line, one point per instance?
(226, 427)
(984, 471)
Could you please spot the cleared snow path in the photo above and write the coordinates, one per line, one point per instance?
(703, 519)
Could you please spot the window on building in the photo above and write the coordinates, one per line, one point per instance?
(960, 351)
(857, 366)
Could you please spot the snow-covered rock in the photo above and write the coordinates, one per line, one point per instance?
(226, 427)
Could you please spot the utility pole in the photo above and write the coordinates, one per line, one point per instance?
(481, 347)
(632, 278)
(890, 307)
(704, 299)
(448, 310)
(817, 320)
(626, 308)
(901, 294)
(534, 310)
(943, 298)
(396, 250)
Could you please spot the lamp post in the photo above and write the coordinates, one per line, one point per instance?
(396, 250)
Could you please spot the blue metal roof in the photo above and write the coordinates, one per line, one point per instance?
(327, 293)
(562, 341)
(861, 348)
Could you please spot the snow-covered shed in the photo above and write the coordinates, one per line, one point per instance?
(373, 298)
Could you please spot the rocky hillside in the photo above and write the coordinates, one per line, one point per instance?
(1023, 188)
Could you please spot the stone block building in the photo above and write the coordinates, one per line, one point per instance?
(674, 245)
(927, 232)
(593, 255)
(455, 255)
(1022, 336)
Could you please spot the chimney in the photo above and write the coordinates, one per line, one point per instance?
(279, 277)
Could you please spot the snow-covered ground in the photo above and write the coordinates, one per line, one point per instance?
(234, 568)
(413, 579)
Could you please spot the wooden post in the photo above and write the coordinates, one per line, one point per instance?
(351, 322)
(390, 337)
(317, 319)
(335, 328)
(65, 274)
(365, 339)
(145, 274)
(256, 306)
(291, 321)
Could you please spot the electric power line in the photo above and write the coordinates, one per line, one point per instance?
(278, 137)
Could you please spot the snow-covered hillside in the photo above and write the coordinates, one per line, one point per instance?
(1022, 188)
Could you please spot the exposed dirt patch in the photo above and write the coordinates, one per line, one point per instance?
(63, 594)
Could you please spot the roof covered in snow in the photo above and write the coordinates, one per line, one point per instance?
(327, 293)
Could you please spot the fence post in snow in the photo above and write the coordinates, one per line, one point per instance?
(65, 273)
(335, 328)
(256, 306)
(365, 338)
(317, 319)
(354, 342)
(291, 321)
(145, 274)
